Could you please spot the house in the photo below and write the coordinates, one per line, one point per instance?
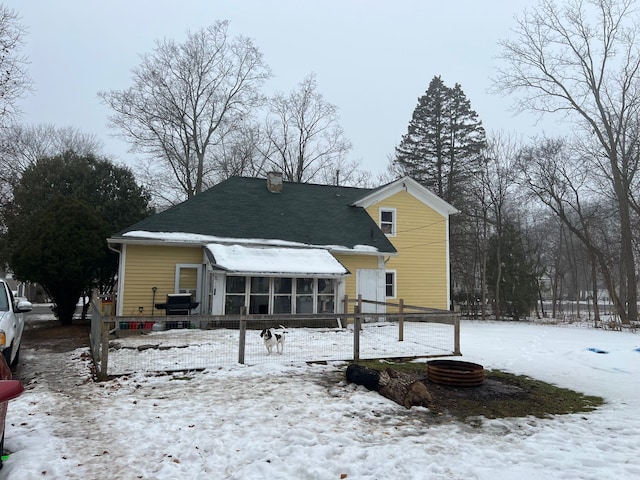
(280, 247)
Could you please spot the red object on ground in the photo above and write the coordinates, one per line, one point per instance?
(9, 389)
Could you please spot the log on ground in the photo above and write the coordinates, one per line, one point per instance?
(402, 388)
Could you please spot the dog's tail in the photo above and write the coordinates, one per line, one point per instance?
(284, 329)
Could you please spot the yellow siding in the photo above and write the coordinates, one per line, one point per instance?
(421, 241)
(149, 266)
(353, 263)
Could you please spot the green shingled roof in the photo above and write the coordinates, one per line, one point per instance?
(243, 208)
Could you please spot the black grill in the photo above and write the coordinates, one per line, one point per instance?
(178, 304)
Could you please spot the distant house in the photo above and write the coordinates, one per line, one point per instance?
(280, 247)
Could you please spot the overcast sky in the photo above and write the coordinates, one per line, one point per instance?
(372, 58)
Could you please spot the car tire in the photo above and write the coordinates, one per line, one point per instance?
(7, 355)
(16, 359)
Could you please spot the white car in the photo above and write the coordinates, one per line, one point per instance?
(11, 323)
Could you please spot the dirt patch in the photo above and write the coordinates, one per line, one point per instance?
(45, 351)
(49, 334)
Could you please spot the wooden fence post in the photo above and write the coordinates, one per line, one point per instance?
(345, 310)
(104, 349)
(242, 334)
(401, 321)
(357, 320)
(456, 335)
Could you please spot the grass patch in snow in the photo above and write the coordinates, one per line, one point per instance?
(501, 395)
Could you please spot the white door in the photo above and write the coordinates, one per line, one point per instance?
(370, 284)
(188, 280)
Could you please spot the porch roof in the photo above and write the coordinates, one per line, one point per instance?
(274, 260)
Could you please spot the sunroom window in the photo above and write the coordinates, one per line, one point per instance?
(259, 298)
(282, 288)
(236, 293)
(326, 296)
(273, 295)
(304, 295)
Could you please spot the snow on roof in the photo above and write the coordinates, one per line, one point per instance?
(207, 239)
(280, 260)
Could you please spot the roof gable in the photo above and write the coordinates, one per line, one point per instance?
(243, 208)
(414, 188)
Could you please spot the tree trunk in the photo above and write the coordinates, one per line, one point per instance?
(400, 387)
(629, 281)
(594, 287)
(483, 281)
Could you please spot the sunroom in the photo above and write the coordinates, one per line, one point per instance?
(273, 279)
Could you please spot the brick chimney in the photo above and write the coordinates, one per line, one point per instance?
(274, 182)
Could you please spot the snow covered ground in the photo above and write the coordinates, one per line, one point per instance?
(298, 421)
(190, 349)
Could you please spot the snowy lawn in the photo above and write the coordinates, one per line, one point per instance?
(276, 421)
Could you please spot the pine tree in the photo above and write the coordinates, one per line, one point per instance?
(443, 142)
(511, 274)
(443, 150)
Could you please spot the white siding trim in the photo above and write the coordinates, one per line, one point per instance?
(121, 280)
(412, 187)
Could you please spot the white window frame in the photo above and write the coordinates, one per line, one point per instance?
(198, 268)
(314, 293)
(394, 285)
(394, 221)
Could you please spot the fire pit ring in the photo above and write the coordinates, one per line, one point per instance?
(455, 373)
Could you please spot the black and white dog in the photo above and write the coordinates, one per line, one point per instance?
(272, 339)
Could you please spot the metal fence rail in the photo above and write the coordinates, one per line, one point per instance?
(122, 345)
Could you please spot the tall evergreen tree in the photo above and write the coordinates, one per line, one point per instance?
(443, 142)
(61, 213)
(421, 151)
(511, 274)
(442, 149)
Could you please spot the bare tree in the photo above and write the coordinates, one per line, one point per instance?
(303, 137)
(185, 100)
(582, 59)
(14, 79)
(239, 153)
(22, 146)
(563, 184)
(493, 202)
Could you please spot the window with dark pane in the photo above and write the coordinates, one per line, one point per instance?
(390, 284)
(326, 295)
(304, 295)
(235, 297)
(282, 288)
(387, 221)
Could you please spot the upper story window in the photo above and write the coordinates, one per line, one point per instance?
(388, 221)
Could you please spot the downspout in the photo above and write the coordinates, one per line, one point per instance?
(448, 267)
(120, 281)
